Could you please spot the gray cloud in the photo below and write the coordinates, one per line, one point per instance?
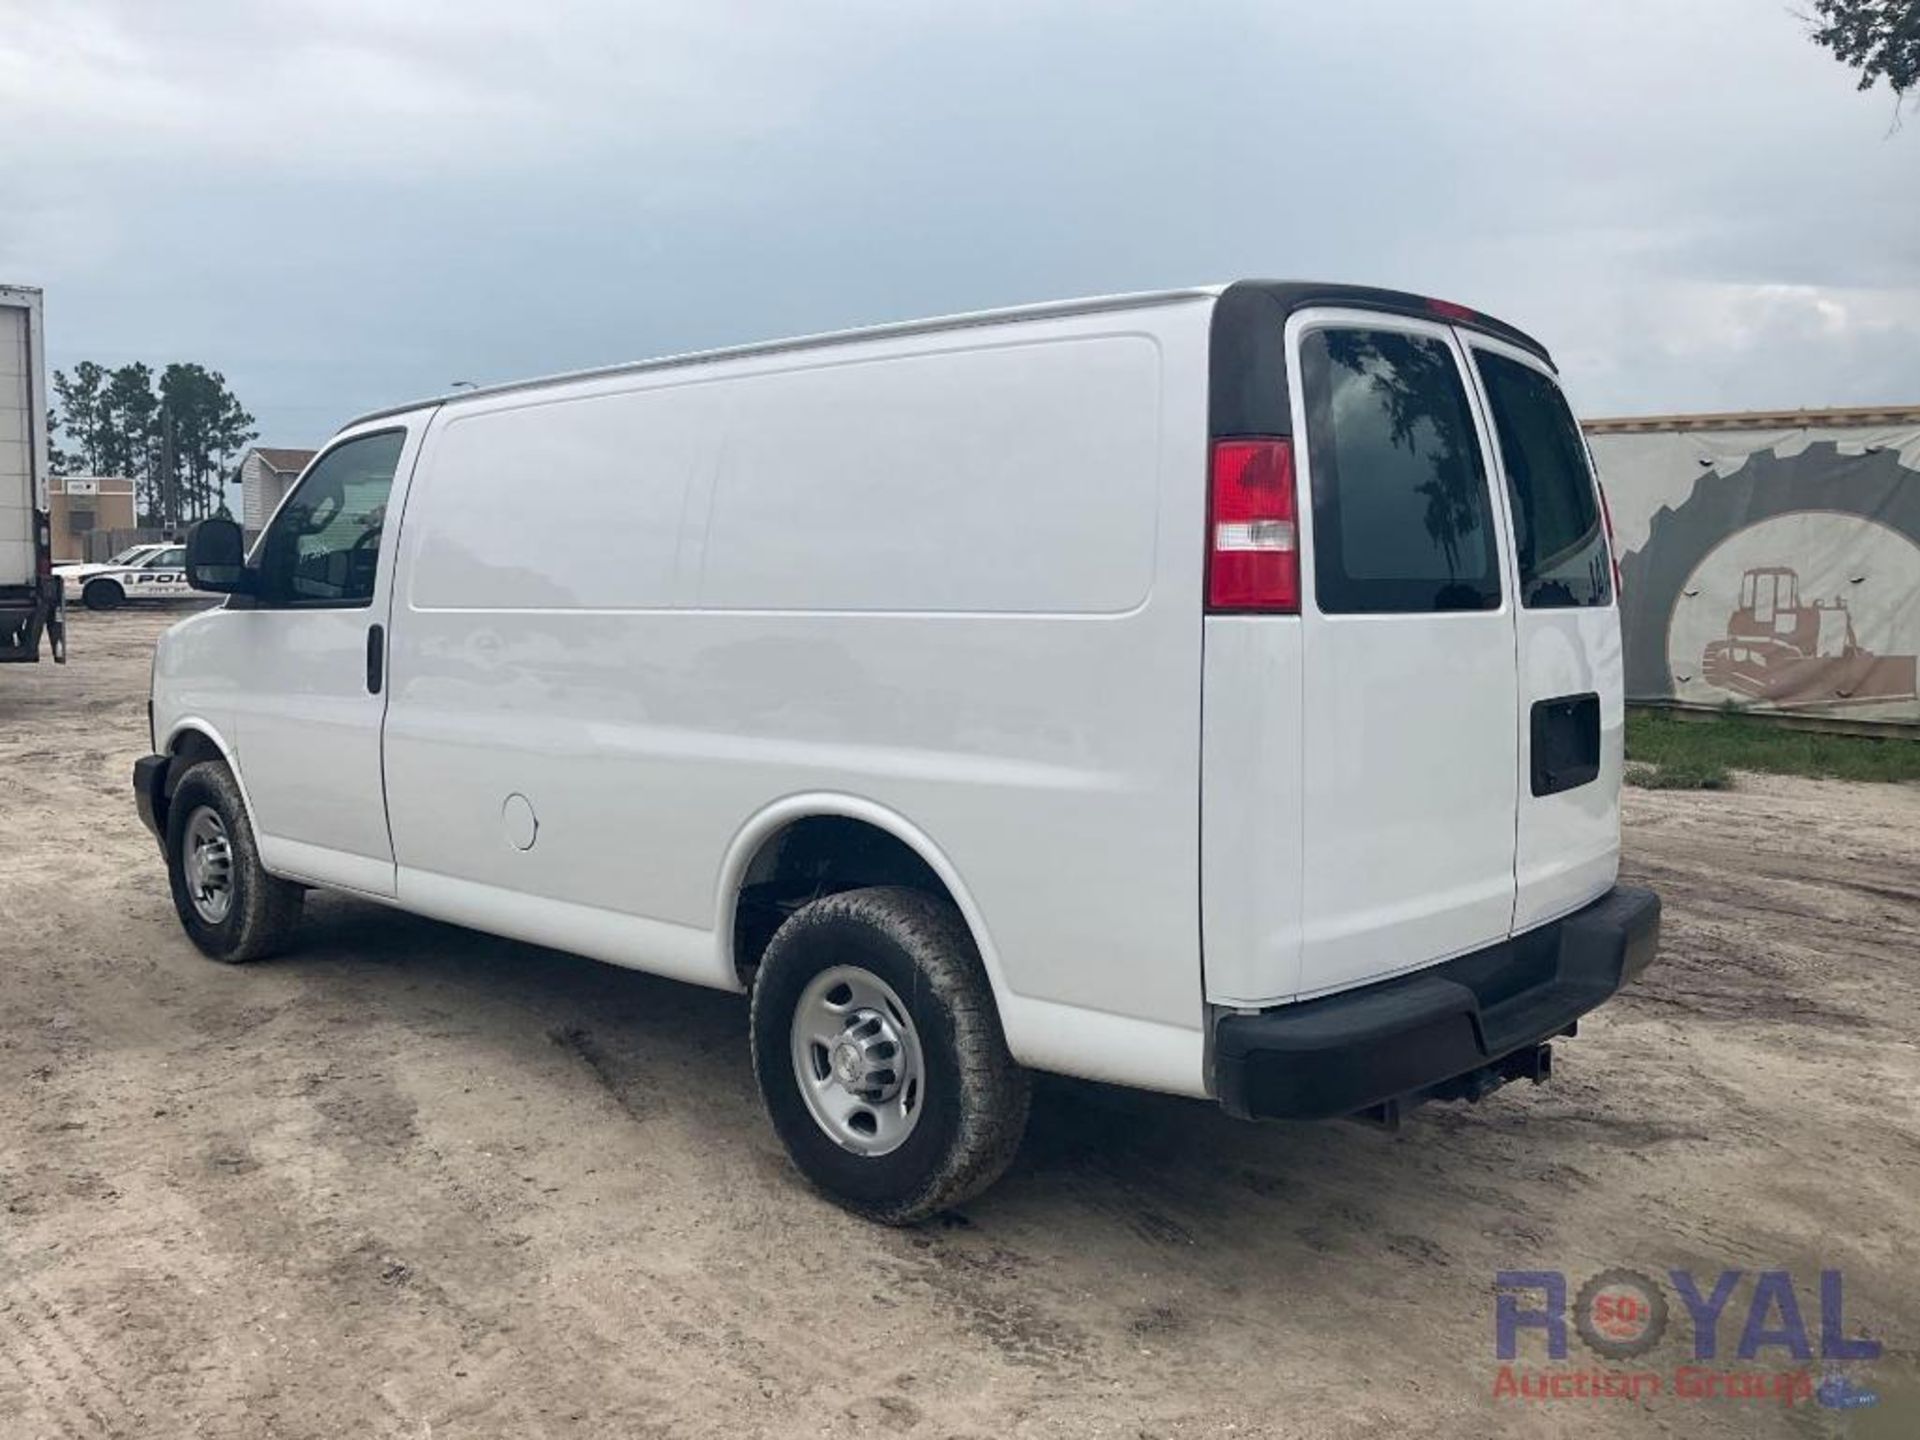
(343, 203)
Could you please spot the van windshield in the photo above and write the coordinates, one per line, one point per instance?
(1558, 532)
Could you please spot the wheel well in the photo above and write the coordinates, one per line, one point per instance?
(815, 856)
(188, 749)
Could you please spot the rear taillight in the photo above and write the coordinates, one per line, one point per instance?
(1253, 562)
(45, 548)
(1613, 553)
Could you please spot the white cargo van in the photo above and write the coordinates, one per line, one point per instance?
(1216, 691)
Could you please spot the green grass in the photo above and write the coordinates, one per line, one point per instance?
(1680, 775)
(1698, 754)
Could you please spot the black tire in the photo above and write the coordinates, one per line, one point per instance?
(262, 911)
(974, 1107)
(103, 595)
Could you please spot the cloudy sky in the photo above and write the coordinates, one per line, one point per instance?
(348, 203)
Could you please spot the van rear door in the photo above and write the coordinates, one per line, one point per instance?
(1571, 706)
(1410, 753)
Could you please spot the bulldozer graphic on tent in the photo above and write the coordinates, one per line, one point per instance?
(1786, 652)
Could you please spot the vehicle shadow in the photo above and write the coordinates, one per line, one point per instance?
(1160, 1174)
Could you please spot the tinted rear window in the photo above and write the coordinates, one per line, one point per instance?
(1401, 516)
(1557, 527)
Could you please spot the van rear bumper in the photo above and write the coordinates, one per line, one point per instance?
(1403, 1038)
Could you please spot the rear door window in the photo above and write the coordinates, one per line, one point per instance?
(1402, 521)
(1558, 532)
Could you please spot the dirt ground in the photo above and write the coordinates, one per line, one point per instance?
(412, 1181)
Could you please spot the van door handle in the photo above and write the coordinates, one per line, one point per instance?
(376, 657)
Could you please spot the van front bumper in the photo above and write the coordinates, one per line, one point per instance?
(150, 793)
(1453, 1031)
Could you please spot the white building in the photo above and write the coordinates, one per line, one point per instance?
(266, 474)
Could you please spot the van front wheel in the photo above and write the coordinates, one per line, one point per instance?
(228, 904)
(880, 1055)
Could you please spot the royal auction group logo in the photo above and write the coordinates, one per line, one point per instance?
(1622, 1315)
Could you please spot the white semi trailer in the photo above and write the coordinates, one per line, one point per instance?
(30, 604)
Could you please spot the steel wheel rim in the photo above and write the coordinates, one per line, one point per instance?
(206, 860)
(858, 1060)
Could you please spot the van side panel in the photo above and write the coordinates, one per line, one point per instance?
(1015, 480)
(1251, 817)
(596, 486)
(954, 576)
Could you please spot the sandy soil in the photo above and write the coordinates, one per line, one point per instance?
(412, 1181)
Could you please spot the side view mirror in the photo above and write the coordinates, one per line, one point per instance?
(217, 558)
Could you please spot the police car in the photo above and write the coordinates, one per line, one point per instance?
(141, 572)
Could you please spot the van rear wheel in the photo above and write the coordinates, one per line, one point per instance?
(229, 906)
(880, 1056)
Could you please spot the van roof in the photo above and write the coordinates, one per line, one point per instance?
(1249, 395)
(1004, 315)
(1289, 294)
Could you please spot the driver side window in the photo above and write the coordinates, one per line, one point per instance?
(322, 550)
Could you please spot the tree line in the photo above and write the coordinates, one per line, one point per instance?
(177, 437)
